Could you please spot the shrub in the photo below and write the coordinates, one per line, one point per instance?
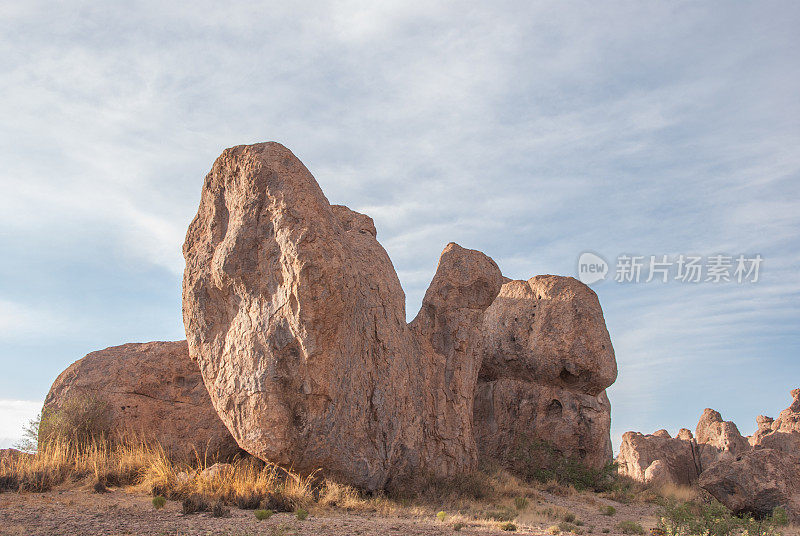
(159, 502)
(504, 514)
(80, 419)
(248, 500)
(538, 460)
(261, 515)
(508, 527)
(779, 516)
(631, 527)
(568, 516)
(220, 510)
(301, 514)
(458, 526)
(194, 503)
(441, 516)
(713, 520)
(521, 503)
(674, 516)
(553, 530)
(564, 526)
(608, 510)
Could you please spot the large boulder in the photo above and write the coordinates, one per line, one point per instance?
(547, 360)
(659, 459)
(296, 318)
(756, 482)
(151, 391)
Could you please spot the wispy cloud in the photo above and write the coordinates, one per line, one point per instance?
(530, 131)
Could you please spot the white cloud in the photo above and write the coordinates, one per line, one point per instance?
(14, 415)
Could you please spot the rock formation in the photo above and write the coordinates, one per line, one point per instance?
(680, 460)
(547, 360)
(718, 439)
(766, 476)
(151, 391)
(659, 459)
(751, 476)
(296, 317)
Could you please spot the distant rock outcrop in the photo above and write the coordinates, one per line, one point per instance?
(768, 475)
(296, 317)
(547, 360)
(659, 459)
(151, 391)
(748, 475)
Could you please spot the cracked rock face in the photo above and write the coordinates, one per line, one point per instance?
(148, 390)
(547, 361)
(296, 318)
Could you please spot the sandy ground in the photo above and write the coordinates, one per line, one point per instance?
(121, 512)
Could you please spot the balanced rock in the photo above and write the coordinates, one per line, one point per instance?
(296, 318)
(547, 360)
(658, 459)
(150, 391)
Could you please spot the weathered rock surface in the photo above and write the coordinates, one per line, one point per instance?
(756, 482)
(718, 439)
(658, 459)
(296, 317)
(152, 391)
(768, 475)
(547, 360)
(680, 460)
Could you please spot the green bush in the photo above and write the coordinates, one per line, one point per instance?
(508, 527)
(779, 516)
(159, 502)
(261, 515)
(301, 514)
(80, 419)
(608, 510)
(674, 516)
(631, 527)
(538, 460)
(713, 520)
(441, 516)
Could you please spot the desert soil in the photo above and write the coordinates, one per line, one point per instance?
(122, 512)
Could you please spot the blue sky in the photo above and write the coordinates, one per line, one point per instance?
(530, 131)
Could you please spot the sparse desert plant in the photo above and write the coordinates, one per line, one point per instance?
(553, 530)
(673, 516)
(521, 503)
(220, 510)
(608, 510)
(159, 502)
(301, 514)
(606, 530)
(458, 526)
(504, 513)
(630, 527)
(441, 516)
(568, 516)
(194, 503)
(261, 515)
(508, 526)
